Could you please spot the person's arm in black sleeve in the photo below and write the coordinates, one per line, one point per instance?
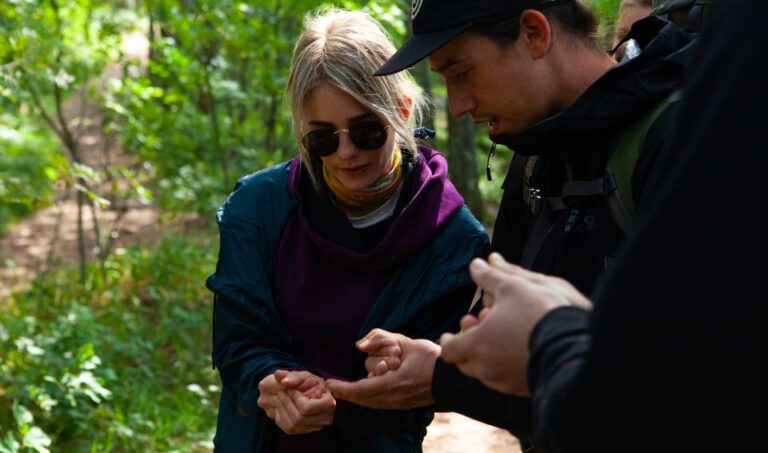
(558, 345)
(454, 391)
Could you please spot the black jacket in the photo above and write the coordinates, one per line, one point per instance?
(672, 357)
(582, 135)
(582, 237)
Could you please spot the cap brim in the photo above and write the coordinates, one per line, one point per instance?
(418, 47)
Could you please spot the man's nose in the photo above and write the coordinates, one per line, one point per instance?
(459, 103)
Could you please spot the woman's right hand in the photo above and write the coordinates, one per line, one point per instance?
(298, 401)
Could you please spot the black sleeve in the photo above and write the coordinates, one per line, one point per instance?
(558, 345)
(454, 391)
(672, 360)
(448, 311)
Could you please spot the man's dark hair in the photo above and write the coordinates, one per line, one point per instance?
(573, 17)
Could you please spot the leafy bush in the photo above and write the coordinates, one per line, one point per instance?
(120, 364)
(29, 164)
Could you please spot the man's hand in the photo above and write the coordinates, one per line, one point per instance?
(400, 373)
(494, 346)
(298, 401)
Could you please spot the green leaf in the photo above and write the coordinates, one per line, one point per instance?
(85, 172)
(37, 440)
(22, 415)
(9, 444)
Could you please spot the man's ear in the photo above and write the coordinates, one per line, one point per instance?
(536, 33)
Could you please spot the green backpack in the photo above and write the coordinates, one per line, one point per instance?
(688, 14)
(615, 185)
(622, 162)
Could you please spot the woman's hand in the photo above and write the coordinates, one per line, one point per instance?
(298, 401)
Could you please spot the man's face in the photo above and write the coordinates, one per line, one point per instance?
(502, 86)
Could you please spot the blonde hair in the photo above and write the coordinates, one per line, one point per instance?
(344, 49)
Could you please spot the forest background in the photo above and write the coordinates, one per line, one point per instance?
(113, 162)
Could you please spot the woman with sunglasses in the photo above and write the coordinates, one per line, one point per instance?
(361, 230)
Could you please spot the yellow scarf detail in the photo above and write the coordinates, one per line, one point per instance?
(373, 196)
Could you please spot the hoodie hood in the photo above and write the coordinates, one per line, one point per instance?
(432, 202)
(626, 90)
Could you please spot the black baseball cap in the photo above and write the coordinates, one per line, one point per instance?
(435, 22)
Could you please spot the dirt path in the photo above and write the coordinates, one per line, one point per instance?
(454, 433)
(49, 236)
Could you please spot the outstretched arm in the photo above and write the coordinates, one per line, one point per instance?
(494, 346)
(409, 386)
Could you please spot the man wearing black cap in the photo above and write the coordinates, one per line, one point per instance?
(576, 121)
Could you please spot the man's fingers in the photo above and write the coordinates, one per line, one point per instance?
(496, 282)
(468, 321)
(456, 348)
(359, 391)
(497, 261)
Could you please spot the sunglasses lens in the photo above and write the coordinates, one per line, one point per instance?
(322, 142)
(368, 135)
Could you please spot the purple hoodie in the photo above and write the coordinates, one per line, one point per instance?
(324, 291)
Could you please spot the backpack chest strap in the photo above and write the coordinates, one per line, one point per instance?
(572, 192)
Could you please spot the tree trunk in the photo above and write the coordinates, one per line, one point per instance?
(421, 73)
(462, 162)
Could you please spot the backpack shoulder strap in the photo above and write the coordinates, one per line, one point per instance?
(689, 14)
(624, 157)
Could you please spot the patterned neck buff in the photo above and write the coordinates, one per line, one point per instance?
(373, 196)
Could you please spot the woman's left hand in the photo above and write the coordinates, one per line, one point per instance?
(304, 404)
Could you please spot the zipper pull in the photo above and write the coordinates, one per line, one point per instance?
(488, 162)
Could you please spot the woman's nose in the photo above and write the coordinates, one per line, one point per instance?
(346, 149)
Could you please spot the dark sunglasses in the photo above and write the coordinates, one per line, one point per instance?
(367, 135)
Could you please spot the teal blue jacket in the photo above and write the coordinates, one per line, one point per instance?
(251, 341)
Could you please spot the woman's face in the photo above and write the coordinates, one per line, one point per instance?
(330, 108)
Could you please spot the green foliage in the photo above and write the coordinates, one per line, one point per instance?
(49, 49)
(121, 364)
(607, 11)
(208, 109)
(29, 164)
